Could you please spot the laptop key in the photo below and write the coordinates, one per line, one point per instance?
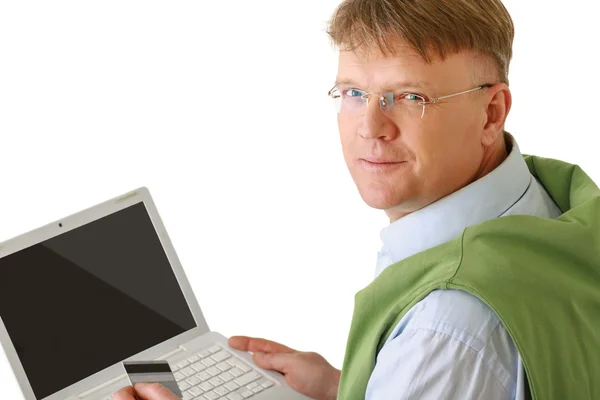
(264, 382)
(258, 389)
(204, 354)
(209, 362)
(216, 381)
(244, 367)
(221, 391)
(246, 379)
(211, 396)
(246, 393)
(220, 356)
(193, 381)
(223, 366)
(203, 376)
(213, 371)
(235, 396)
(198, 366)
(241, 365)
(214, 349)
(226, 376)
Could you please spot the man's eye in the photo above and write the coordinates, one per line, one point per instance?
(412, 97)
(353, 93)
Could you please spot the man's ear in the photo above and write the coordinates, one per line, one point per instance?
(497, 103)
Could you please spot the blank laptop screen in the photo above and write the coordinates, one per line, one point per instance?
(89, 298)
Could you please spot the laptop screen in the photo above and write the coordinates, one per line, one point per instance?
(89, 298)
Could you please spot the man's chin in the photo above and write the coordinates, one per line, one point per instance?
(380, 201)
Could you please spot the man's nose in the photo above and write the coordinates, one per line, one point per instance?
(374, 124)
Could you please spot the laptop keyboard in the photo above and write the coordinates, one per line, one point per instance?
(215, 373)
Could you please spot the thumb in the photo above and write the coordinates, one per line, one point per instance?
(154, 391)
(274, 361)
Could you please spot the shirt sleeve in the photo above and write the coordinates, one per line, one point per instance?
(451, 346)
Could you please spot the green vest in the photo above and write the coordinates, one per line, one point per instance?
(541, 277)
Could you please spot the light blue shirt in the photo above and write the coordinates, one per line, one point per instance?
(451, 345)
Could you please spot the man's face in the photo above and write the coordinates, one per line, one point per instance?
(399, 161)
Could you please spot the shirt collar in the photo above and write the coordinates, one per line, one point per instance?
(486, 198)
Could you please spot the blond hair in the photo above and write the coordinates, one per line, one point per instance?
(430, 27)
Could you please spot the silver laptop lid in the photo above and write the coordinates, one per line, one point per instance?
(82, 294)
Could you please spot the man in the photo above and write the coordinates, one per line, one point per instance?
(465, 304)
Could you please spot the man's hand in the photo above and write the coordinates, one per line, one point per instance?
(307, 373)
(145, 391)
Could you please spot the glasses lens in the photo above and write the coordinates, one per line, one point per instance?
(406, 105)
(349, 101)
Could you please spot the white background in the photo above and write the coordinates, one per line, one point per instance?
(220, 108)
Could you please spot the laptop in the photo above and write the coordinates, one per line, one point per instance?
(80, 296)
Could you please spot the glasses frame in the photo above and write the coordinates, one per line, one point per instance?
(386, 95)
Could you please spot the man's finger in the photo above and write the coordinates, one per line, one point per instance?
(154, 391)
(125, 393)
(258, 345)
(274, 361)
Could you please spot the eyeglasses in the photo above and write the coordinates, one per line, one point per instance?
(354, 101)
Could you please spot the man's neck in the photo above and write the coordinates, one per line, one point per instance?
(493, 157)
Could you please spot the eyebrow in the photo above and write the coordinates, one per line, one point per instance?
(389, 86)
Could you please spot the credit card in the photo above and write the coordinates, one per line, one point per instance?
(152, 372)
